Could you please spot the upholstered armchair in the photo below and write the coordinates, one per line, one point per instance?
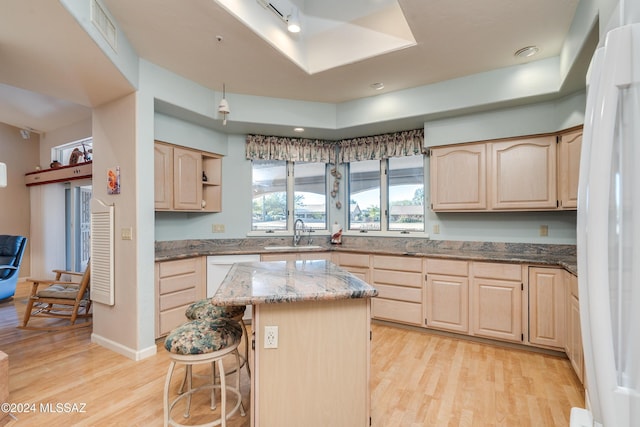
(11, 251)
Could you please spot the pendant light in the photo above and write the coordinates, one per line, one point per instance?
(223, 107)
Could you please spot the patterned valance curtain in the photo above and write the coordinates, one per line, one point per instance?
(398, 144)
(260, 147)
(405, 143)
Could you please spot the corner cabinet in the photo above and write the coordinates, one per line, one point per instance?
(186, 179)
(547, 307)
(569, 147)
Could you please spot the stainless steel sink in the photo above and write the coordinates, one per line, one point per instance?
(292, 248)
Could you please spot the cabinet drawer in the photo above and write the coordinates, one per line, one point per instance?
(354, 260)
(178, 283)
(447, 267)
(170, 319)
(400, 293)
(178, 299)
(397, 263)
(495, 270)
(397, 311)
(182, 266)
(397, 278)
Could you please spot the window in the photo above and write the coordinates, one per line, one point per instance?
(310, 194)
(269, 195)
(396, 183)
(364, 195)
(62, 153)
(275, 196)
(406, 193)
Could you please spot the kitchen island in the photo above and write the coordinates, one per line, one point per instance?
(318, 372)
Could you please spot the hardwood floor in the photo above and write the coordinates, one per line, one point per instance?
(417, 379)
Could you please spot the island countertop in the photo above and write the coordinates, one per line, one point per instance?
(249, 283)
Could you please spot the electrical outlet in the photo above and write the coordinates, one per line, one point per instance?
(544, 230)
(126, 233)
(270, 337)
(436, 228)
(217, 228)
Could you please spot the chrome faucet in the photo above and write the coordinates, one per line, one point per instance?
(297, 232)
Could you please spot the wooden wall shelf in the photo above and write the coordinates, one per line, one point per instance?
(61, 174)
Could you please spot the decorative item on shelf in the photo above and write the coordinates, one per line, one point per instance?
(74, 159)
(55, 164)
(203, 203)
(336, 234)
(204, 177)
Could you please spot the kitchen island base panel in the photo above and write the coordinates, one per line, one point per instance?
(319, 374)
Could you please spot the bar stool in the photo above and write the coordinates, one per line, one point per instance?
(203, 309)
(198, 342)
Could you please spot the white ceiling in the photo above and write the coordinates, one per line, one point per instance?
(52, 72)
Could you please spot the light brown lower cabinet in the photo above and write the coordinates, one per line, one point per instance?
(496, 301)
(573, 342)
(399, 282)
(547, 307)
(178, 284)
(446, 296)
(355, 263)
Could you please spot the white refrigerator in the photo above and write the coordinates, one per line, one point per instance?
(608, 230)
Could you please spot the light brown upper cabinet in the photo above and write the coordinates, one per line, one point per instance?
(523, 174)
(186, 179)
(516, 174)
(569, 147)
(458, 177)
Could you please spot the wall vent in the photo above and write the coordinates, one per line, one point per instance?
(104, 24)
(102, 262)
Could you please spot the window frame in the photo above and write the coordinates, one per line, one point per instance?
(384, 203)
(290, 207)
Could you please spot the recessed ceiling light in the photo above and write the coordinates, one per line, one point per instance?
(526, 52)
(298, 129)
(377, 86)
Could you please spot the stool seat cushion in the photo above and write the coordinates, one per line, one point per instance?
(202, 336)
(203, 309)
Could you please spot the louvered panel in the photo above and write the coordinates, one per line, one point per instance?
(102, 242)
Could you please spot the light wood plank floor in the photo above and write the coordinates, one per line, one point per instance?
(417, 379)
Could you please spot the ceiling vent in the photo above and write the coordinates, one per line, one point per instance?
(103, 23)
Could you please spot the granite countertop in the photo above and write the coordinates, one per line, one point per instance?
(558, 255)
(250, 283)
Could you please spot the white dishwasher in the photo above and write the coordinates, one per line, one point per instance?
(217, 268)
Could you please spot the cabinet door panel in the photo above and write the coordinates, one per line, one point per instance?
(458, 178)
(497, 309)
(546, 306)
(523, 174)
(163, 176)
(569, 168)
(446, 303)
(187, 179)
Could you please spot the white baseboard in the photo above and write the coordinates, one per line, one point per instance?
(125, 351)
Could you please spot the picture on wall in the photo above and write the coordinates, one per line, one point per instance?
(113, 180)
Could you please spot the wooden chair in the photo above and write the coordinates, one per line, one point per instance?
(60, 299)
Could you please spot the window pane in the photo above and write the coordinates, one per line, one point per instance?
(364, 195)
(406, 193)
(269, 185)
(310, 194)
